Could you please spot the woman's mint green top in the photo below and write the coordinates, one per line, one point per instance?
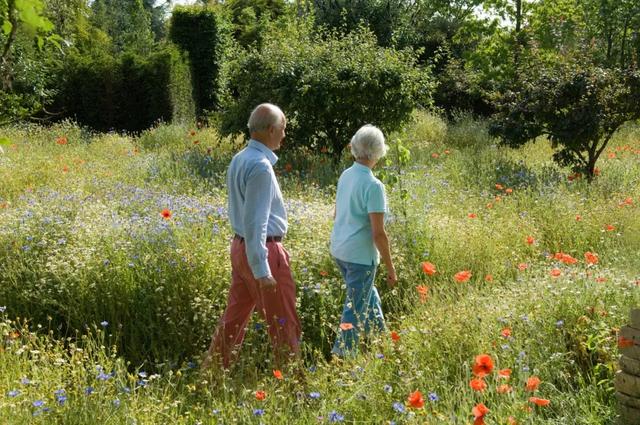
(359, 194)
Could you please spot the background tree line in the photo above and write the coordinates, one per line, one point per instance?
(332, 64)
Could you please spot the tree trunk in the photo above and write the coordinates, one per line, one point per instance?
(6, 73)
(623, 47)
(516, 53)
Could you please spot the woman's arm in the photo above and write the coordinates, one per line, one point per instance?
(381, 241)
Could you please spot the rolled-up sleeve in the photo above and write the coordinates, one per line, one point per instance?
(258, 196)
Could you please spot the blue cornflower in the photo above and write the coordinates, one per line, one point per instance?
(399, 407)
(61, 399)
(103, 376)
(88, 390)
(314, 395)
(379, 356)
(104, 323)
(282, 321)
(61, 391)
(258, 412)
(142, 374)
(559, 323)
(38, 403)
(257, 326)
(3, 308)
(116, 402)
(13, 393)
(433, 397)
(25, 381)
(387, 388)
(335, 417)
(215, 412)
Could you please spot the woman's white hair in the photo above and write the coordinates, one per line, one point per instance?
(368, 143)
(265, 115)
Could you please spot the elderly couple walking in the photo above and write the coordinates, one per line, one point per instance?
(261, 275)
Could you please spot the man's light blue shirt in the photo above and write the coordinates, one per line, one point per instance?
(256, 207)
(359, 194)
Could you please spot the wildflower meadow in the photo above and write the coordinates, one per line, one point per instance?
(515, 276)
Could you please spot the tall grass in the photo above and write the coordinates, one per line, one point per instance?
(107, 305)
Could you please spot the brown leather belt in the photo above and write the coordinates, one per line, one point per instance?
(269, 238)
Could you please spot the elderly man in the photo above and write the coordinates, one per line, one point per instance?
(260, 273)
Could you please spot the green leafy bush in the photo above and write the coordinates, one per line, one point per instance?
(131, 92)
(204, 34)
(578, 107)
(327, 85)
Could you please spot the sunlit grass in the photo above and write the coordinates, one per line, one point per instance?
(104, 298)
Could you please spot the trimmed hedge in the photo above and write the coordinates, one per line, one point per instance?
(203, 33)
(130, 93)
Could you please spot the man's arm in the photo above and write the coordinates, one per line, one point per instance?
(258, 195)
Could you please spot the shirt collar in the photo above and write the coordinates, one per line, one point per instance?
(265, 150)
(362, 168)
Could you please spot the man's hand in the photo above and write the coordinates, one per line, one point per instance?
(267, 282)
(392, 278)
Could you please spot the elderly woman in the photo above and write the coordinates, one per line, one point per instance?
(359, 239)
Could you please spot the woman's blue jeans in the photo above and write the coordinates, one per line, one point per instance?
(362, 308)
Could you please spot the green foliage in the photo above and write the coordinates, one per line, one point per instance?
(127, 23)
(130, 92)
(250, 18)
(203, 33)
(578, 107)
(327, 85)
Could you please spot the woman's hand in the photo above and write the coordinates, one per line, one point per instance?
(392, 279)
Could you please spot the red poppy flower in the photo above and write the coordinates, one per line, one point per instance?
(423, 291)
(578, 217)
(428, 268)
(488, 278)
(62, 140)
(324, 273)
(196, 142)
(434, 155)
(627, 201)
(591, 257)
(166, 213)
(446, 152)
(416, 400)
(261, 395)
(462, 276)
(346, 326)
(479, 411)
(288, 167)
(506, 332)
(567, 259)
(478, 384)
(523, 266)
(498, 198)
(472, 215)
(532, 383)
(489, 205)
(601, 279)
(611, 155)
(624, 342)
(555, 272)
(395, 337)
(499, 186)
(511, 421)
(65, 169)
(192, 133)
(539, 401)
(530, 240)
(610, 228)
(504, 388)
(504, 373)
(508, 190)
(483, 365)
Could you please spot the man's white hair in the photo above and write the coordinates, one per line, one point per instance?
(368, 143)
(265, 115)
